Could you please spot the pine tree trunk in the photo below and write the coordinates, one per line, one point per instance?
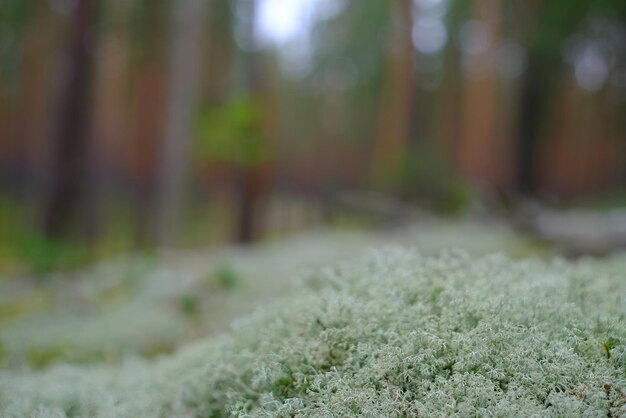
(530, 106)
(249, 176)
(179, 112)
(147, 111)
(394, 125)
(67, 200)
(481, 157)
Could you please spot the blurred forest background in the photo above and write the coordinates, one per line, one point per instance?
(130, 125)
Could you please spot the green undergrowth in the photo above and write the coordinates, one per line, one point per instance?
(392, 334)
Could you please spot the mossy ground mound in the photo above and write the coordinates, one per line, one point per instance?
(394, 334)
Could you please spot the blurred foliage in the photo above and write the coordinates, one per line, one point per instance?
(189, 305)
(425, 179)
(46, 255)
(22, 244)
(40, 357)
(204, 223)
(559, 19)
(226, 277)
(231, 133)
(14, 17)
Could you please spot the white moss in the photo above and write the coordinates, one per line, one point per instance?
(395, 334)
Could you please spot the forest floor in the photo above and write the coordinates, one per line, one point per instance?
(327, 319)
(147, 306)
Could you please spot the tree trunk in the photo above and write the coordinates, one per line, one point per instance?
(147, 110)
(249, 175)
(449, 110)
(71, 141)
(530, 114)
(179, 112)
(394, 125)
(481, 157)
(248, 192)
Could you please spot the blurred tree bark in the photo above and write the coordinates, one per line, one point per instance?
(179, 112)
(70, 171)
(481, 155)
(548, 25)
(538, 88)
(531, 101)
(530, 118)
(451, 92)
(27, 114)
(147, 110)
(394, 123)
(249, 176)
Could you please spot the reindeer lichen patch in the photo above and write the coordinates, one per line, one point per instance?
(393, 334)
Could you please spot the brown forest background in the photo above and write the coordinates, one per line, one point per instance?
(135, 124)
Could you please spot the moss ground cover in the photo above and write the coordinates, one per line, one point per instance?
(393, 333)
